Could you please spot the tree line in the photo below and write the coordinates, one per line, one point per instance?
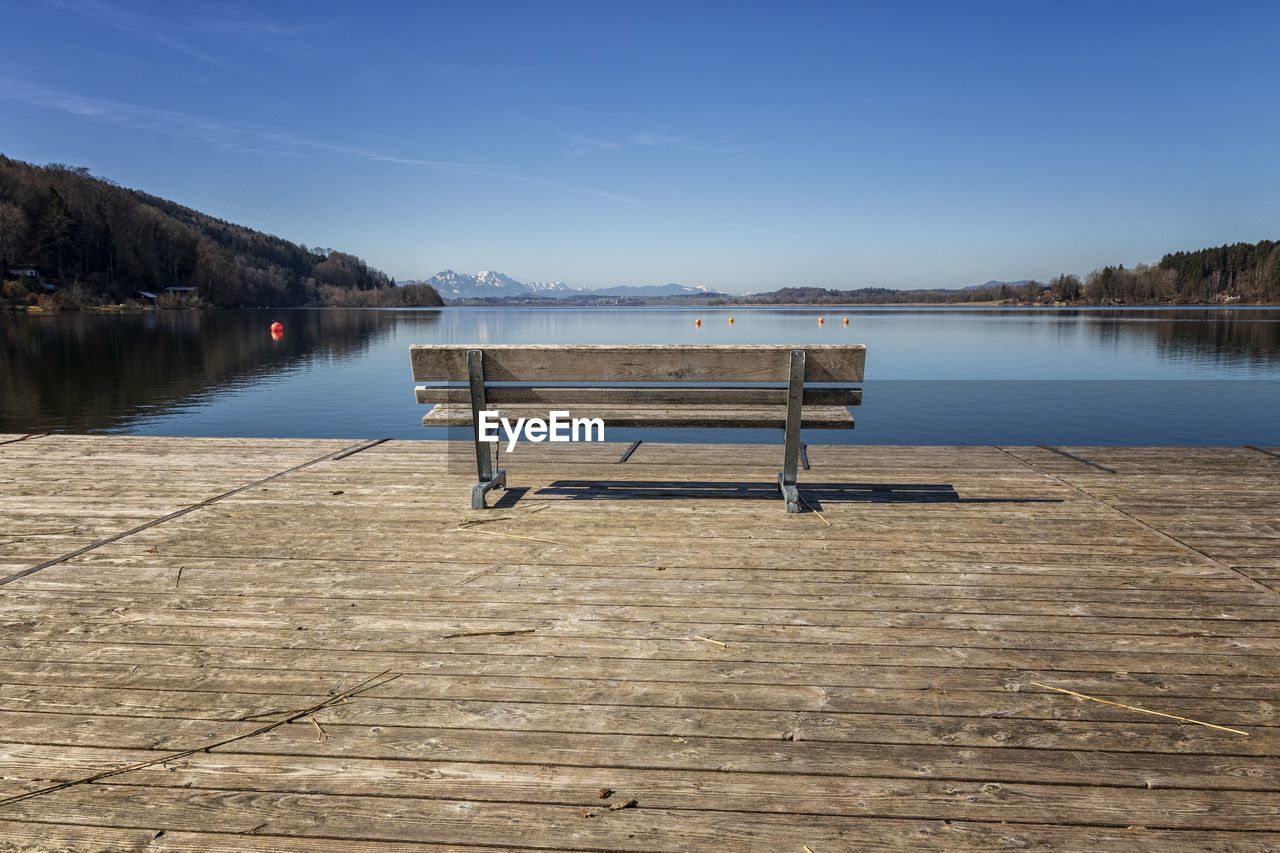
(105, 242)
(1243, 273)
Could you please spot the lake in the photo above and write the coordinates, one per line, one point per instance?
(934, 376)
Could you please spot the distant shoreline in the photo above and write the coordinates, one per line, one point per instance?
(832, 307)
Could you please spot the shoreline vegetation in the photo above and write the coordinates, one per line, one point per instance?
(70, 240)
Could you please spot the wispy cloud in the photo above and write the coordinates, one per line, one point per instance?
(138, 26)
(581, 144)
(773, 234)
(660, 139)
(252, 29)
(232, 136)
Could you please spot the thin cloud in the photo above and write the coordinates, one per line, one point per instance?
(658, 139)
(581, 144)
(252, 29)
(772, 234)
(226, 135)
(137, 26)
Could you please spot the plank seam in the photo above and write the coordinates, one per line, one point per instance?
(1076, 458)
(30, 437)
(178, 513)
(1024, 714)
(352, 451)
(286, 751)
(338, 674)
(934, 648)
(1171, 538)
(1262, 450)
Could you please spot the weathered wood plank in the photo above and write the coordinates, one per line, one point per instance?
(631, 363)
(512, 825)
(640, 397)
(693, 416)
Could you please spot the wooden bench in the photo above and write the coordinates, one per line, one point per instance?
(643, 386)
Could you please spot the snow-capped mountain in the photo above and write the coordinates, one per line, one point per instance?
(488, 284)
(550, 288)
(653, 290)
(455, 285)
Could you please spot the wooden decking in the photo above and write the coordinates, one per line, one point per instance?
(871, 676)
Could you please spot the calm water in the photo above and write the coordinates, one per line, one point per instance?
(1172, 377)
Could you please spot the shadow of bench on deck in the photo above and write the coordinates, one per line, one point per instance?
(815, 494)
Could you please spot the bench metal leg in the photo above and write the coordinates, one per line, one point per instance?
(791, 446)
(488, 478)
(479, 490)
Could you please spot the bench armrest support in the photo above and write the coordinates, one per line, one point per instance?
(791, 446)
(486, 476)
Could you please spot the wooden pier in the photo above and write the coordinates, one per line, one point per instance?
(287, 646)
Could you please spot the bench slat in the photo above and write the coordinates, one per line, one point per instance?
(610, 363)
(652, 397)
(815, 417)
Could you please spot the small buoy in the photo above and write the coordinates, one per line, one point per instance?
(698, 323)
(730, 321)
(277, 328)
(846, 321)
(821, 321)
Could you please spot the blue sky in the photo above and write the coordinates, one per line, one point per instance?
(741, 146)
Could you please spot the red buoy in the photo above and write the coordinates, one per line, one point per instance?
(277, 328)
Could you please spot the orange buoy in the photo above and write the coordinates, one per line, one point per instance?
(730, 321)
(276, 328)
(846, 321)
(821, 321)
(698, 323)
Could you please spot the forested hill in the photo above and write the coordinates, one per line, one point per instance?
(90, 234)
(1240, 273)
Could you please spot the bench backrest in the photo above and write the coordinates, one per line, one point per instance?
(632, 366)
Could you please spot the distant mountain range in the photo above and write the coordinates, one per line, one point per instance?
(993, 283)
(495, 285)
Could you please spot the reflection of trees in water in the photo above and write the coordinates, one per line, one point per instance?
(82, 372)
(1220, 337)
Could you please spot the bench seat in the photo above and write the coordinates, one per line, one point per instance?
(766, 417)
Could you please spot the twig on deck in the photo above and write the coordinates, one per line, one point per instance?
(505, 633)
(613, 807)
(468, 527)
(812, 510)
(321, 734)
(709, 640)
(475, 522)
(1139, 710)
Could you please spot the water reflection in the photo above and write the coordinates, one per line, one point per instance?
(1224, 338)
(933, 375)
(81, 372)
